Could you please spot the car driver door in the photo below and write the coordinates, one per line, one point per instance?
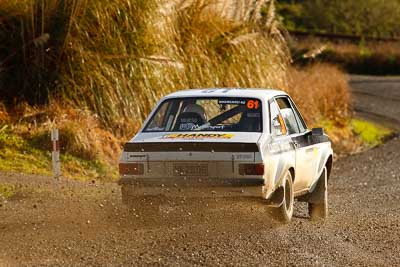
(305, 165)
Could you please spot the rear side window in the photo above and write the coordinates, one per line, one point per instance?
(277, 125)
(160, 118)
(288, 115)
(299, 118)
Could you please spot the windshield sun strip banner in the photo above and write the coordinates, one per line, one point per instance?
(198, 136)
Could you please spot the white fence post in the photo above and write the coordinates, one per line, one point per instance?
(55, 153)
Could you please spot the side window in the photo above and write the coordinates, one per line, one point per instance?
(299, 118)
(288, 115)
(159, 120)
(277, 125)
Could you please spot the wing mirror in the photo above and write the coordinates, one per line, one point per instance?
(317, 131)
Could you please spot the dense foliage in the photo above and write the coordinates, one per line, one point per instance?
(362, 17)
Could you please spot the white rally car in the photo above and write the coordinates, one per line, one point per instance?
(250, 143)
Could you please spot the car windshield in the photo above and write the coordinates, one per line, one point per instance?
(220, 114)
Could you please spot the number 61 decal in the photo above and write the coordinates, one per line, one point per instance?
(253, 104)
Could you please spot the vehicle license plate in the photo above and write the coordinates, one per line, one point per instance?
(184, 169)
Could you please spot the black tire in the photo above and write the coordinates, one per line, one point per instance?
(318, 203)
(284, 212)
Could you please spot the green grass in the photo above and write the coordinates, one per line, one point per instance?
(20, 155)
(327, 125)
(370, 133)
(353, 135)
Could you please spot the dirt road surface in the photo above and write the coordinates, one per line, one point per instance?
(377, 99)
(76, 223)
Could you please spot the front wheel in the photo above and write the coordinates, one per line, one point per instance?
(318, 202)
(284, 212)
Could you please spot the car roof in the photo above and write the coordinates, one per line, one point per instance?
(265, 94)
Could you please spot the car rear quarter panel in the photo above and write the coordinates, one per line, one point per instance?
(278, 157)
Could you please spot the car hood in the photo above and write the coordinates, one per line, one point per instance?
(212, 137)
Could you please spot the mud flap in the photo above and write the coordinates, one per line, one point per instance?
(277, 198)
(316, 196)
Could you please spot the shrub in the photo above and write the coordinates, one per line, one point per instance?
(374, 58)
(81, 134)
(321, 92)
(368, 17)
(4, 117)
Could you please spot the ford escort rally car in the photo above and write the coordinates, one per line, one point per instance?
(250, 143)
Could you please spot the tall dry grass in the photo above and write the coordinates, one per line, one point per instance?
(322, 93)
(186, 45)
(117, 58)
(101, 65)
(3, 114)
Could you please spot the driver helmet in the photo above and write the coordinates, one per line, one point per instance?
(195, 108)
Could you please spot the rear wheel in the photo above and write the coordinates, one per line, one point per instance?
(318, 202)
(284, 212)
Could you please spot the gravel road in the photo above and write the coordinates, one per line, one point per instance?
(77, 223)
(377, 99)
